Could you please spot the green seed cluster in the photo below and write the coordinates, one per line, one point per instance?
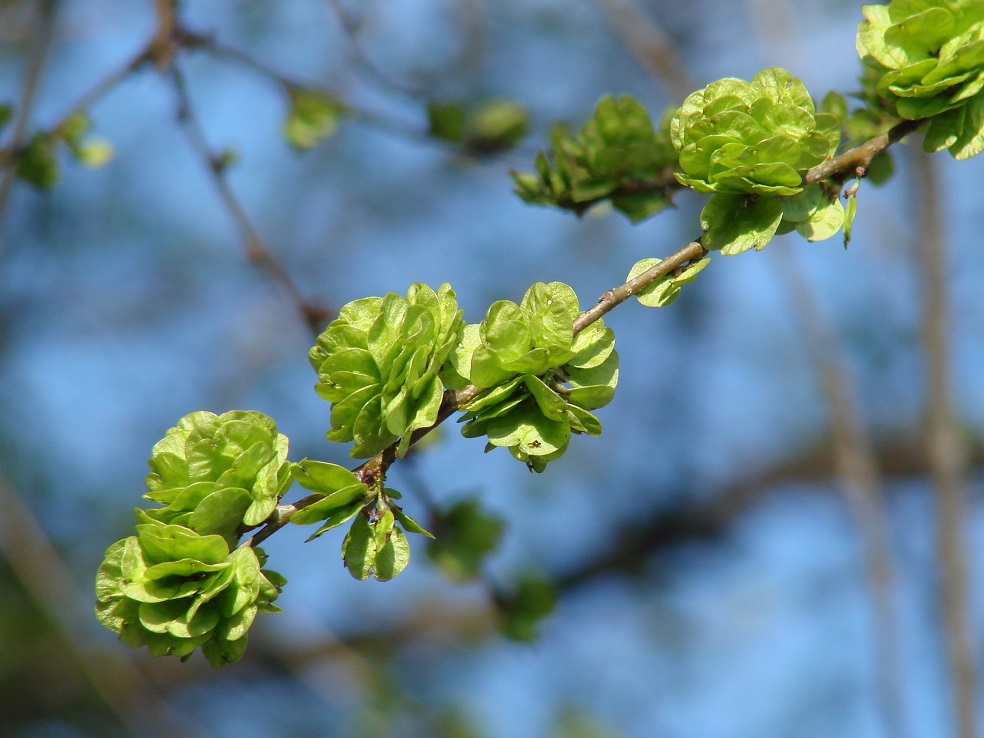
(378, 363)
(927, 57)
(172, 590)
(178, 584)
(541, 379)
(756, 137)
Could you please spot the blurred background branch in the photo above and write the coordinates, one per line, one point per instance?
(945, 447)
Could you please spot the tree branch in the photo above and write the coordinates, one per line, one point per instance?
(313, 314)
(41, 42)
(945, 450)
(650, 45)
(123, 688)
(857, 471)
(848, 162)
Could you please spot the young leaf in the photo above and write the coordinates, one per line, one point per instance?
(823, 222)
(333, 519)
(849, 212)
(393, 556)
(736, 223)
(666, 289)
(359, 548)
(36, 163)
(409, 524)
(320, 476)
(313, 116)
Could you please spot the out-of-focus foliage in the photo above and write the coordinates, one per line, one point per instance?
(617, 155)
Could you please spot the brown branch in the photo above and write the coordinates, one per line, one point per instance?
(848, 162)
(123, 688)
(859, 479)
(313, 314)
(350, 27)
(650, 45)
(945, 450)
(855, 162)
(41, 42)
(211, 45)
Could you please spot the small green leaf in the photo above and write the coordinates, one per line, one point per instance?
(495, 125)
(881, 168)
(94, 152)
(359, 548)
(592, 346)
(849, 212)
(323, 477)
(335, 518)
(382, 526)
(313, 116)
(823, 222)
(36, 163)
(641, 205)
(735, 223)
(550, 403)
(222, 652)
(326, 506)
(467, 534)
(220, 512)
(409, 524)
(172, 542)
(666, 288)
(835, 104)
(446, 121)
(6, 113)
(393, 556)
(532, 600)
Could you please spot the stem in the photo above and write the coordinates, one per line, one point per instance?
(313, 315)
(856, 160)
(45, 23)
(650, 45)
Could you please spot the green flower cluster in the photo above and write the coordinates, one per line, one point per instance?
(616, 155)
(173, 590)
(378, 363)
(175, 585)
(217, 472)
(927, 57)
(541, 379)
(755, 137)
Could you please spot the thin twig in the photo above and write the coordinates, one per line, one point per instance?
(857, 160)
(123, 688)
(221, 50)
(350, 27)
(945, 450)
(650, 45)
(41, 42)
(314, 315)
(859, 478)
